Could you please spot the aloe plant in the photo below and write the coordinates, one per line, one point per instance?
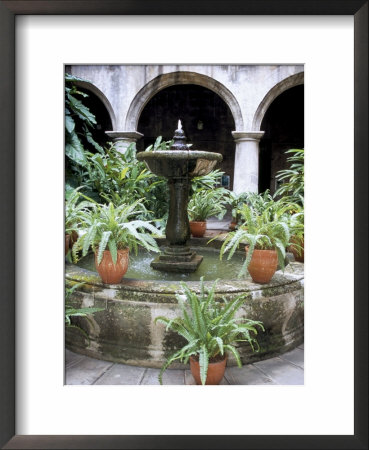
(206, 203)
(267, 230)
(209, 327)
(114, 228)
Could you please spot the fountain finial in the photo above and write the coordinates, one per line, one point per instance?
(179, 139)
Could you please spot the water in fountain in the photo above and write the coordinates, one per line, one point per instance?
(211, 268)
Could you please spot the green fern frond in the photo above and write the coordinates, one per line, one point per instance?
(102, 246)
(204, 363)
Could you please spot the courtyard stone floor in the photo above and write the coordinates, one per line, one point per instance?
(285, 369)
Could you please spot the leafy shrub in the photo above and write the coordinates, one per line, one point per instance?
(292, 178)
(265, 230)
(205, 203)
(209, 327)
(113, 227)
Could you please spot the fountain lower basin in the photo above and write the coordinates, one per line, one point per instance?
(125, 331)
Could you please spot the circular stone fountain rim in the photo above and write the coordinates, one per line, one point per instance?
(293, 274)
(180, 154)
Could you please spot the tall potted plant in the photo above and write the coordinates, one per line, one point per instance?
(267, 235)
(211, 331)
(111, 233)
(203, 204)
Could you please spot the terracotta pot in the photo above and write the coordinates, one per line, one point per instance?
(263, 265)
(298, 252)
(109, 272)
(215, 371)
(197, 228)
(67, 243)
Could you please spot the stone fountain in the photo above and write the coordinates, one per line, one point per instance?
(178, 165)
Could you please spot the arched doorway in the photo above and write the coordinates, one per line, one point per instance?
(206, 119)
(102, 116)
(283, 124)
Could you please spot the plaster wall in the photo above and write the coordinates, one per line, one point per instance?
(248, 84)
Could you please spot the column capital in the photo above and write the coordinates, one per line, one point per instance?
(130, 136)
(240, 136)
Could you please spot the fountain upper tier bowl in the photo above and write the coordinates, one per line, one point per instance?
(180, 163)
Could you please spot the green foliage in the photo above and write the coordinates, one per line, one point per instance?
(120, 178)
(205, 203)
(258, 202)
(75, 208)
(210, 181)
(79, 124)
(209, 327)
(296, 224)
(236, 201)
(159, 145)
(71, 312)
(293, 178)
(264, 230)
(114, 227)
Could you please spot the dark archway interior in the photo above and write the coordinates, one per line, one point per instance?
(206, 119)
(97, 107)
(283, 124)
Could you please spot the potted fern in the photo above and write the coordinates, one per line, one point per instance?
(111, 233)
(266, 234)
(203, 204)
(211, 331)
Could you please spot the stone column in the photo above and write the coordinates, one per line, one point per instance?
(246, 162)
(123, 139)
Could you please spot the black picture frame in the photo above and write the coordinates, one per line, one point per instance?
(8, 10)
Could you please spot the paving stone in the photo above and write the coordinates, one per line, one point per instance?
(190, 381)
(86, 371)
(295, 356)
(281, 372)
(122, 374)
(170, 376)
(247, 374)
(151, 377)
(72, 358)
(173, 376)
(284, 370)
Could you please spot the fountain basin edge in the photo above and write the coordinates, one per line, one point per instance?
(125, 332)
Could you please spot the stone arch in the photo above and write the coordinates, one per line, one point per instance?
(287, 83)
(173, 78)
(101, 96)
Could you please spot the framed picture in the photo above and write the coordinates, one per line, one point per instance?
(121, 426)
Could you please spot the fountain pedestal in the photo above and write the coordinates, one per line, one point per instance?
(179, 165)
